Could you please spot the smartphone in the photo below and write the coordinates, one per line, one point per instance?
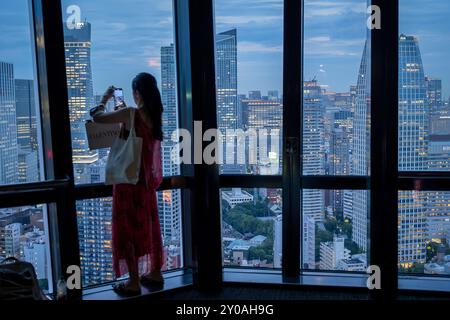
(118, 98)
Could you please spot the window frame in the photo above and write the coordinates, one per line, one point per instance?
(201, 220)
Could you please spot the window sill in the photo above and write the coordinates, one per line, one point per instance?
(424, 283)
(313, 279)
(172, 280)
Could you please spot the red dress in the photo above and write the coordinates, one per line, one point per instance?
(136, 233)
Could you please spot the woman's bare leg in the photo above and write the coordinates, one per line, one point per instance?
(133, 269)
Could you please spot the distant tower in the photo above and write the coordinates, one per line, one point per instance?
(8, 126)
(77, 44)
(434, 95)
(228, 114)
(313, 147)
(28, 160)
(412, 144)
(361, 150)
(169, 201)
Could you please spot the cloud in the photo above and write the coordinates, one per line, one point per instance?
(328, 8)
(247, 47)
(320, 39)
(327, 46)
(246, 19)
(154, 62)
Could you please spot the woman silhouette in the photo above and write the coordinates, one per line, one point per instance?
(136, 234)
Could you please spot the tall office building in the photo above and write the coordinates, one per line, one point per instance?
(437, 217)
(360, 165)
(265, 115)
(273, 95)
(434, 94)
(8, 126)
(77, 44)
(338, 158)
(228, 115)
(94, 215)
(254, 95)
(26, 115)
(226, 73)
(94, 232)
(169, 201)
(28, 160)
(412, 146)
(313, 146)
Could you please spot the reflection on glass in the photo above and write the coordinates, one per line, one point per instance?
(20, 156)
(249, 85)
(334, 231)
(94, 232)
(24, 236)
(252, 227)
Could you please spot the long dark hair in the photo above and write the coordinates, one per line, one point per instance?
(146, 85)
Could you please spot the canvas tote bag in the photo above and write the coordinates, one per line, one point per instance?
(124, 160)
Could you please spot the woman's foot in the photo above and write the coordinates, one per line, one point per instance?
(152, 278)
(127, 289)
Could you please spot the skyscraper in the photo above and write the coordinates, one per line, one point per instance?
(361, 150)
(412, 146)
(226, 72)
(8, 126)
(94, 215)
(228, 115)
(28, 162)
(169, 201)
(434, 94)
(313, 147)
(26, 115)
(77, 43)
(265, 115)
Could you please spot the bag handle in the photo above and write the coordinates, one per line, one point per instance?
(9, 259)
(132, 129)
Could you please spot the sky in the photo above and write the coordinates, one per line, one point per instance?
(126, 39)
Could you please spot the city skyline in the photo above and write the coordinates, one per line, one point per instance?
(336, 136)
(334, 38)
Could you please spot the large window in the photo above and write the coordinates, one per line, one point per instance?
(110, 45)
(249, 71)
(20, 156)
(424, 136)
(252, 227)
(336, 133)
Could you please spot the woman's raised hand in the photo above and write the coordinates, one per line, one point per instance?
(109, 93)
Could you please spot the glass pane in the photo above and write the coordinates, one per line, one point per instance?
(108, 51)
(424, 122)
(335, 232)
(249, 71)
(24, 235)
(424, 232)
(20, 154)
(252, 227)
(336, 95)
(95, 236)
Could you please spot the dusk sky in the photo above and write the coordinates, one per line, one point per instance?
(127, 37)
